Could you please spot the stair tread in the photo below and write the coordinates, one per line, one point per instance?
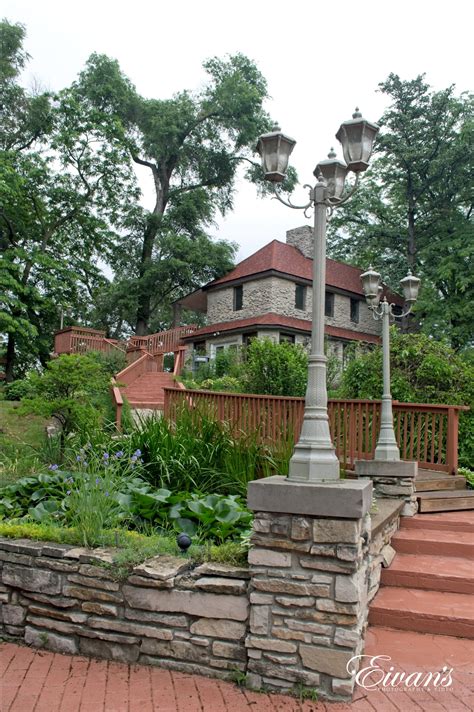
(436, 566)
(425, 603)
(440, 536)
(440, 521)
(445, 494)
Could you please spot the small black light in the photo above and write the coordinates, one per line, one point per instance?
(184, 542)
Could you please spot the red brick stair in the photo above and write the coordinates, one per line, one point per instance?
(147, 390)
(428, 587)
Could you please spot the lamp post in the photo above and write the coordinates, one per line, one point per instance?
(314, 459)
(387, 447)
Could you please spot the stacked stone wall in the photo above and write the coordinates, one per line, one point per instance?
(63, 599)
(308, 595)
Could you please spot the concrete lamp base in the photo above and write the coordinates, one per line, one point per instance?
(345, 499)
(382, 468)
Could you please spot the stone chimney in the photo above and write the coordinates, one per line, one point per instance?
(302, 239)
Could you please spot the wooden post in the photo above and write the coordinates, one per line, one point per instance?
(452, 440)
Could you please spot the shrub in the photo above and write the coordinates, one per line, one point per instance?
(75, 389)
(17, 390)
(275, 369)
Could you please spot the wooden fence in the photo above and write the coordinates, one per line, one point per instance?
(79, 340)
(427, 433)
(163, 342)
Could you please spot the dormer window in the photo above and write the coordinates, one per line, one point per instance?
(300, 296)
(238, 297)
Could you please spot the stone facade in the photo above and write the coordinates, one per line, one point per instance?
(63, 599)
(277, 295)
(393, 480)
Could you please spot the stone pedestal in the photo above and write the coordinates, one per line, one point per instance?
(392, 479)
(308, 584)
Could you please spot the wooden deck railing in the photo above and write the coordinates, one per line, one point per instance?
(78, 340)
(427, 433)
(163, 342)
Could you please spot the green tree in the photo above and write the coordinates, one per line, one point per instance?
(65, 184)
(192, 146)
(73, 388)
(415, 208)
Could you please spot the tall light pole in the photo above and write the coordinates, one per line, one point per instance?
(387, 446)
(314, 458)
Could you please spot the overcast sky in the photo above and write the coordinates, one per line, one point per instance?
(320, 61)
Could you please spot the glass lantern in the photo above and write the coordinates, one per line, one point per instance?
(357, 138)
(334, 173)
(410, 286)
(274, 149)
(370, 284)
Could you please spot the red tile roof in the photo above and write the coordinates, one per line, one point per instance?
(280, 257)
(276, 320)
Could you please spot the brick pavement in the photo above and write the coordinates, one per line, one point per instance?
(40, 681)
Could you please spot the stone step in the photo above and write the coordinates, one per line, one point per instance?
(442, 521)
(446, 482)
(436, 543)
(436, 573)
(444, 501)
(422, 611)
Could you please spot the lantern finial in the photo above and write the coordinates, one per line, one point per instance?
(356, 114)
(332, 153)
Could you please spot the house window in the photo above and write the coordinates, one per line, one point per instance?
(300, 296)
(238, 298)
(355, 303)
(329, 304)
(288, 338)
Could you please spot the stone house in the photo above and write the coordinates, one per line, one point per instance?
(269, 294)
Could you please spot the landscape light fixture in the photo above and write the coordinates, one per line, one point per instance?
(314, 458)
(387, 447)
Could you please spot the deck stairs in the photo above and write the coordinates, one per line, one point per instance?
(146, 392)
(442, 492)
(429, 586)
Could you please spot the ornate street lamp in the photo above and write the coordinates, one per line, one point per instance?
(387, 447)
(314, 458)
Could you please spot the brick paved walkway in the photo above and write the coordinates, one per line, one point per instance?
(39, 681)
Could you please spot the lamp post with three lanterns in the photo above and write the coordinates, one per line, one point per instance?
(314, 459)
(387, 447)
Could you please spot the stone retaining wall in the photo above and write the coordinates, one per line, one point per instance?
(62, 598)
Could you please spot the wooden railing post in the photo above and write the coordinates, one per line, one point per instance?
(452, 440)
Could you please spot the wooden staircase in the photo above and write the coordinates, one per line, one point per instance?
(429, 585)
(146, 391)
(441, 492)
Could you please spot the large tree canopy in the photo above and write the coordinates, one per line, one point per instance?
(64, 181)
(415, 207)
(191, 145)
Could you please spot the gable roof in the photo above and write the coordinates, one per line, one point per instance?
(280, 257)
(277, 320)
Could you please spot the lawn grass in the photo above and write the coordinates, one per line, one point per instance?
(22, 442)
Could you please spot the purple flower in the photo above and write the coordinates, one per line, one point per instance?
(97, 480)
(134, 458)
(78, 458)
(119, 454)
(68, 492)
(70, 479)
(106, 494)
(106, 455)
(53, 467)
(137, 453)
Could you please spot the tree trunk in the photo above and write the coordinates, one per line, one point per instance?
(144, 297)
(11, 357)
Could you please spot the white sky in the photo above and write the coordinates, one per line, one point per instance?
(320, 61)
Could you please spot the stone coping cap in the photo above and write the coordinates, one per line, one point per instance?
(380, 468)
(345, 499)
(387, 510)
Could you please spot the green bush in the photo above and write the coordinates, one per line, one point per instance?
(75, 389)
(17, 390)
(423, 370)
(275, 369)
